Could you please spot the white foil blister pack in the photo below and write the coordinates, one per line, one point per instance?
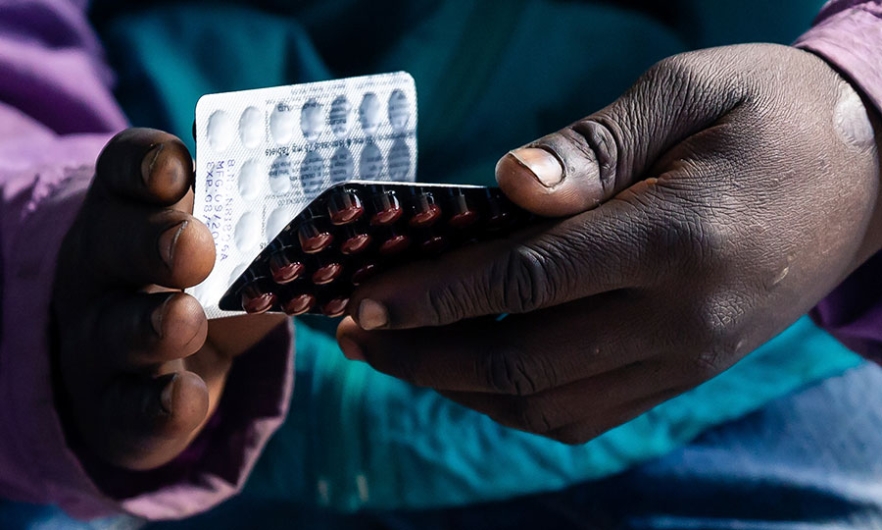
(263, 155)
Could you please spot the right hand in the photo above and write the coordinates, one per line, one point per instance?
(142, 368)
(711, 206)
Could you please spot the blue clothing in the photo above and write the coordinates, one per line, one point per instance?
(806, 461)
(357, 439)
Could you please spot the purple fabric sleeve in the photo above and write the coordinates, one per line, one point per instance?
(848, 34)
(56, 113)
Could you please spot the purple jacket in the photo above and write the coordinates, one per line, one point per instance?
(56, 112)
(848, 33)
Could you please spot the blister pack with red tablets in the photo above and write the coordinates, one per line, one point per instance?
(308, 191)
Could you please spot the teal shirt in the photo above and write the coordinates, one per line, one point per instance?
(490, 76)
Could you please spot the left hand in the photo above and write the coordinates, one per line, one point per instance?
(141, 368)
(736, 187)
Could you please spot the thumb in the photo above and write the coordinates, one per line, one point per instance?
(580, 166)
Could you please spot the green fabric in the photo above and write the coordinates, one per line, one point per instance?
(490, 76)
(167, 59)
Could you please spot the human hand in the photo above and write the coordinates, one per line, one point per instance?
(141, 366)
(713, 204)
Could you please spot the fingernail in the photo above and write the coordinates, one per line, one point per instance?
(165, 398)
(544, 166)
(168, 240)
(351, 350)
(149, 161)
(158, 315)
(372, 315)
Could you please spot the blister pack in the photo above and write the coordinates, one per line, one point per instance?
(357, 229)
(263, 155)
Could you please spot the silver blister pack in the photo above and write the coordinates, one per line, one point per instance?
(263, 155)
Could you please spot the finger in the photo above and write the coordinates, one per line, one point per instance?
(520, 355)
(145, 165)
(233, 336)
(586, 429)
(585, 164)
(603, 401)
(611, 248)
(144, 423)
(145, 330)
(138, 245)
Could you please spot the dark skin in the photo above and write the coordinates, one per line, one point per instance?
(703, 212)
(711, 206)
(142, 367)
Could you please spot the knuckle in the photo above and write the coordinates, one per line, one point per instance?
(693, 239)
(685, 77)
(518, 281)
(136, 154)
(448, 302)
(528, 278)
(589, 142)
(598, 140)
(524, 272)
(687, 85)
(717, 338)
(714, 236)
(681, 68)
(506, 371)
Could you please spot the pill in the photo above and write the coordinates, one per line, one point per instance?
(251, 177)
(369, 113)
(342, 166)
(254, 300)
(312, 174)
(370, 164)
(387, 209)
(281, 174)
(399, 160)
(313, 239)
(399, 110)
(395, 243)
(363, 273)
(276, 221)
(220, 130)
(299, 304)
(251, 127)
(283, 270)
(335, 307)
(326, 272)
(426, 212)
(338, 118)
(311, 120)
(463, 215)
(247, 232)
(282, 123)
(344, 207)
(355, 243)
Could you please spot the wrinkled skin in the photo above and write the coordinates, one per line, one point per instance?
(141, 367)
(703, 212)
